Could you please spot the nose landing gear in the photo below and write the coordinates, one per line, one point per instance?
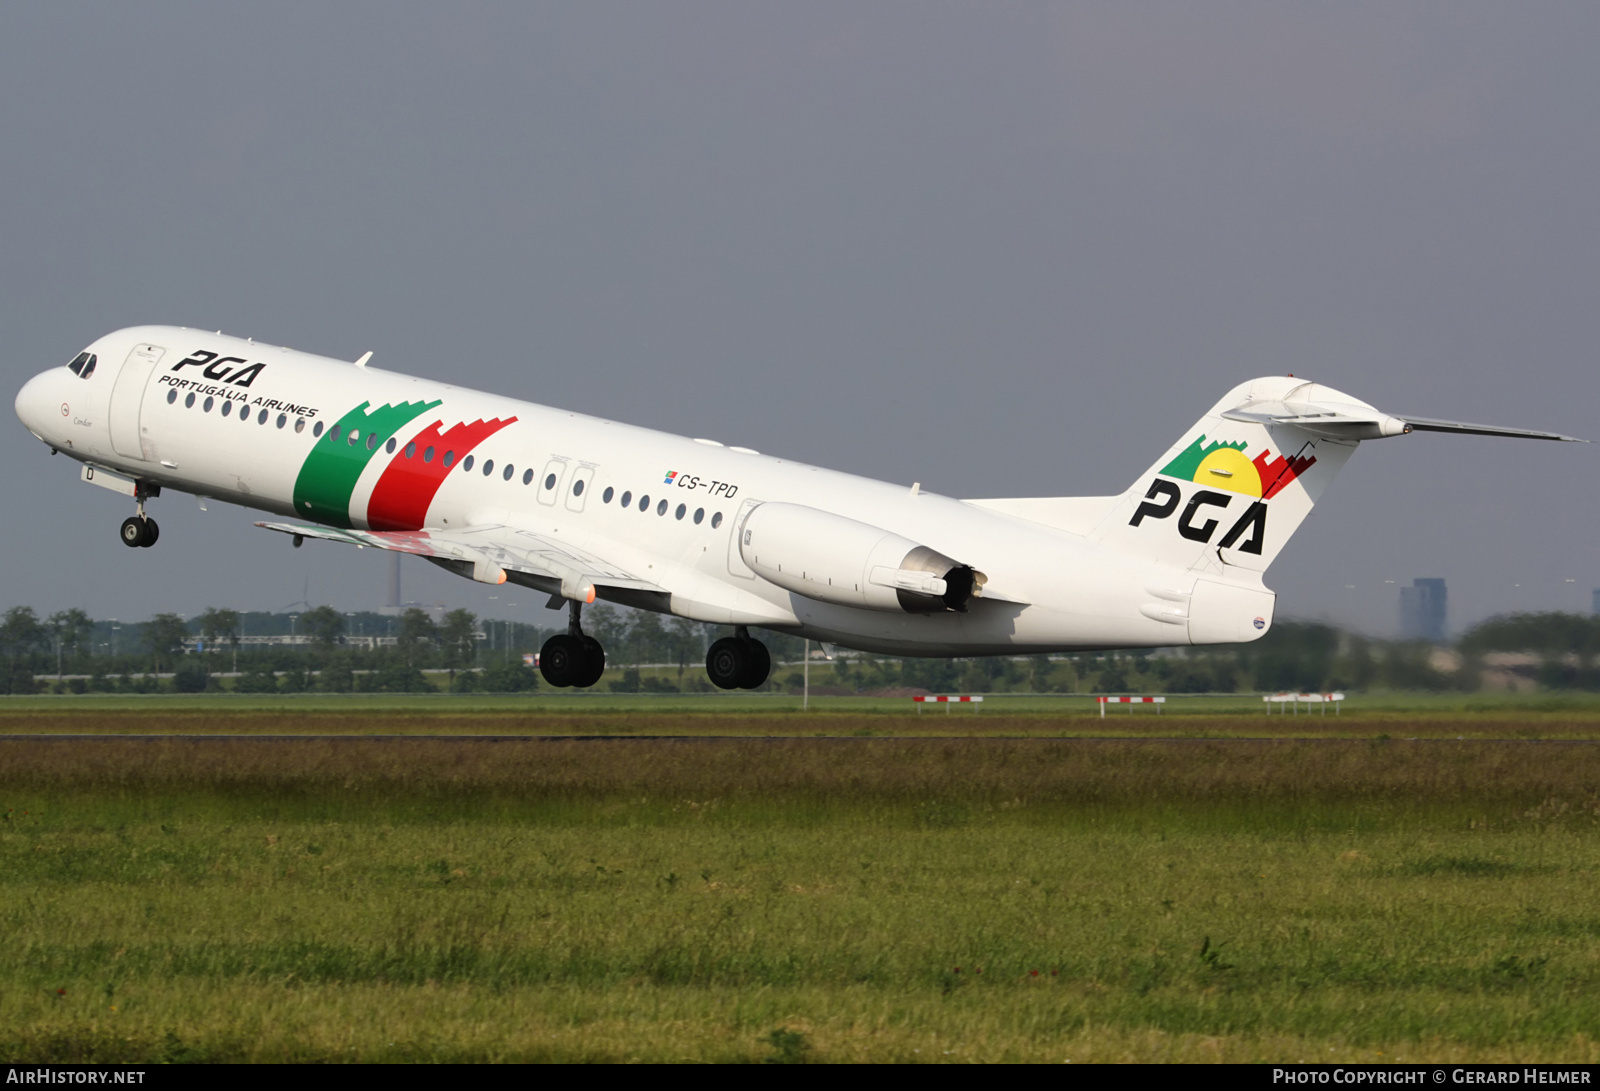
(738, 662)
(571, 658)
(140, 531)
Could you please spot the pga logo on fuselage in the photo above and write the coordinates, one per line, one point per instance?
(221, 369)
(1246, 534)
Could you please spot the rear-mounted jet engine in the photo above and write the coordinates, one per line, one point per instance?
(834, 559)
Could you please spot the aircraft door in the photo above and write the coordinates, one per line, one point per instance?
(128, 436)
(578, 491)
(736, 565)
(552, 481)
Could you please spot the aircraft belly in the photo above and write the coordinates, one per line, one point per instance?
(721, 602)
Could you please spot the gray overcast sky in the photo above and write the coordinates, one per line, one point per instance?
(1003, 249)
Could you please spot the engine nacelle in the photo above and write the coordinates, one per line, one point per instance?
(834, 559)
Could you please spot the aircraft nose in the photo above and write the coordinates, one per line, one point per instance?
(38, 403)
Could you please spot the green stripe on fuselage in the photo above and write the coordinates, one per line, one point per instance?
(330, 472)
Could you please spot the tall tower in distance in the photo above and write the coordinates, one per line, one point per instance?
(1422, 611)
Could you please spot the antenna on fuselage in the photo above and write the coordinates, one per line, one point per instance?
(365, 356)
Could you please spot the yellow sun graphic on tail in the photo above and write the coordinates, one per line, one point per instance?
(1227, 468)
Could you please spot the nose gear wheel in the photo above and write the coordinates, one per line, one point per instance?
(139, 532)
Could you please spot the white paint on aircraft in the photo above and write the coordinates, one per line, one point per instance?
(497, 490)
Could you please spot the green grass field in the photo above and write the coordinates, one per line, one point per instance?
(794, 899)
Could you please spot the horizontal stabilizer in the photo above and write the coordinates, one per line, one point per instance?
(1423, 424)
(1358, 421)
(1327, 420)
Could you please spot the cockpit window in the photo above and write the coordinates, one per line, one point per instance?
(83, 364)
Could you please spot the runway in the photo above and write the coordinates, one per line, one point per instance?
(861, 739)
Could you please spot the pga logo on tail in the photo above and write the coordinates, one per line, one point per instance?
(1223, 465)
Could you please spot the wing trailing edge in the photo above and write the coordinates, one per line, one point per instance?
(492, 554)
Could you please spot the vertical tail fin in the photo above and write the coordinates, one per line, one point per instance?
(1230, 492)
(1216, 508)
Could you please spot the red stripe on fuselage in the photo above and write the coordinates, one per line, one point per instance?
(402, 496)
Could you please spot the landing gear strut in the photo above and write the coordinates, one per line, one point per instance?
(739, 661)
(140, 530)
(571, 658)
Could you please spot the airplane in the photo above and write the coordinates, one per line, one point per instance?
(499, 490)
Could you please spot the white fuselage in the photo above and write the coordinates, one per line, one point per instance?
(143, 414)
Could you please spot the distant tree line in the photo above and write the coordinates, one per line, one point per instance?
(69, 651)
(339, 652)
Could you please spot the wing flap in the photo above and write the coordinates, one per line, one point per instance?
(576, 571)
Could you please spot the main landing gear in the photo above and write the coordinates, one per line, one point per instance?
(572, 659)
(739, 661)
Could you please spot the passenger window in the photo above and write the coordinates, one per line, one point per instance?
(449, 457)
(188, 402)
(578, 490)
(411, 449)
(716, 520)
(644, 503)
(508, 472)
(172, 396)
(427, 456)
(550, 481)
(627, 498)
(262, 419)
(244, 414)
(283, 419)
(354, 435)
(372, 440)
(388, 448)
(527, 477)
(605, 497)
(488, 467)
(205, 407)
(333, 434)
(661, 508)
(466, 464)
(699, 514)
(227, 407)
(683, 510)
(317, 431)
(300, 425)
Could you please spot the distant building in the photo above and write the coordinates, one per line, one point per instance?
(1422, 611)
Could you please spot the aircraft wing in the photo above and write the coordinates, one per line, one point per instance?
(492, 554)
